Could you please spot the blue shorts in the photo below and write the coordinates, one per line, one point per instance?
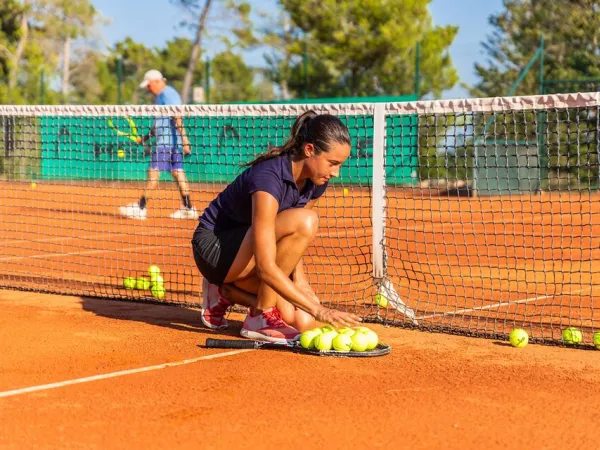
(166, 159)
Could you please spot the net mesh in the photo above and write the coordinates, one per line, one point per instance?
(488, 209)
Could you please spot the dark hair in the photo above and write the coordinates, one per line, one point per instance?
(320, 130)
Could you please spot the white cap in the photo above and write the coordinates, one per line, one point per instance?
(149, 76)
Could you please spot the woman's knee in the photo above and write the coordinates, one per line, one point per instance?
(308, 224)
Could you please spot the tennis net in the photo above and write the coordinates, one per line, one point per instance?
(472, 216)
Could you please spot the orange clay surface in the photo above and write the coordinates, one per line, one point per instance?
(482, 265)
(432, 391)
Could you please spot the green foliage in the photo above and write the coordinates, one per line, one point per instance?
(173, 62)
(571, 30)
(364, 48)
(233, 80)
(567, 141)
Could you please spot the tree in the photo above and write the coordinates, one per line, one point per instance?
(281, 39)
(15, 33)
(136, 60)
(571, 30)
(367, 47)
(233, 79)
(173, 62)
(63, 22)
(235, 12)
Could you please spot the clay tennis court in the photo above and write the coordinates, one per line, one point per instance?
(469, 265)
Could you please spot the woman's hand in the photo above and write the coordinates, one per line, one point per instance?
(308, 291)
(337, 318)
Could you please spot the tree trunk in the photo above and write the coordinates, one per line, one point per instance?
(16, 60)
(66, 68)
(195, 55)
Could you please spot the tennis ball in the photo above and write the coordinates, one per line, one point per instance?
(324, 341)
(381, 300)
(121, 153)
(158, 291)
(33, 185)
(157, 279)
(327, 328)
(142, 283)
(572, 336)
(360, 329)
(129, 283)
(372, 339)
(346, 330)
(307, 339)
(518, 338)
(360, 341)
(346, 191)
(153, 271)
(342, 343)
(597, 340)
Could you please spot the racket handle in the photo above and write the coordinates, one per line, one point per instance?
(229, 343)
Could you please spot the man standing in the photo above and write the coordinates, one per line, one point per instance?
(171, 140)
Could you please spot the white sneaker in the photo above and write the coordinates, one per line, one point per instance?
(133, 211)
(184, 213)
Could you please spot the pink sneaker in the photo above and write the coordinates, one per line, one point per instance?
(214, 307)
(269, 326)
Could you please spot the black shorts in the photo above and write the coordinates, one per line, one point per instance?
(214, 252)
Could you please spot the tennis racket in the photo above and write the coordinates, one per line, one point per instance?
(295, 347)
(131, 133)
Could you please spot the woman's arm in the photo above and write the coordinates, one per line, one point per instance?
(264, 213)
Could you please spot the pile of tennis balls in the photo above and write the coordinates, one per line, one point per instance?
(570, 336)
(344, 339)
(156, 283)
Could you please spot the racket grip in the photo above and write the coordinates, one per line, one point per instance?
(229, 343)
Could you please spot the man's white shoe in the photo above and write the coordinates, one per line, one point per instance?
(133, 211)
(185, 213)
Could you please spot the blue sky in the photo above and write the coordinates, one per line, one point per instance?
(153, 22)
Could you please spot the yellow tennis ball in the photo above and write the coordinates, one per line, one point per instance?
(342, 343)
(327, 328)
(158, 291)
(324, 341)
(33, 185)
(346, 191)
(129, 283)
(518, 338)
(157, 279)
(597, 340)
(372, 339)
(121, 153)
(360, 341)
(572, 336)
(307, 339)
(142, 283)
(346, 330)
(153, 271)
(381, 300)
(361, 329)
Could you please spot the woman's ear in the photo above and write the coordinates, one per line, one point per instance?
(309, 150)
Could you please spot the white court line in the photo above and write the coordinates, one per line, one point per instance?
(88, 252)
(499, 305)
(118, 374)
(88, 236)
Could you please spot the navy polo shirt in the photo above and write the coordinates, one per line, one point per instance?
(233, 206)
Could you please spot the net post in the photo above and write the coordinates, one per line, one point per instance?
(378, 208)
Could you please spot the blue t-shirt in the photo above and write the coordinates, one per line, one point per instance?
(165, 131)
(233, 206)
